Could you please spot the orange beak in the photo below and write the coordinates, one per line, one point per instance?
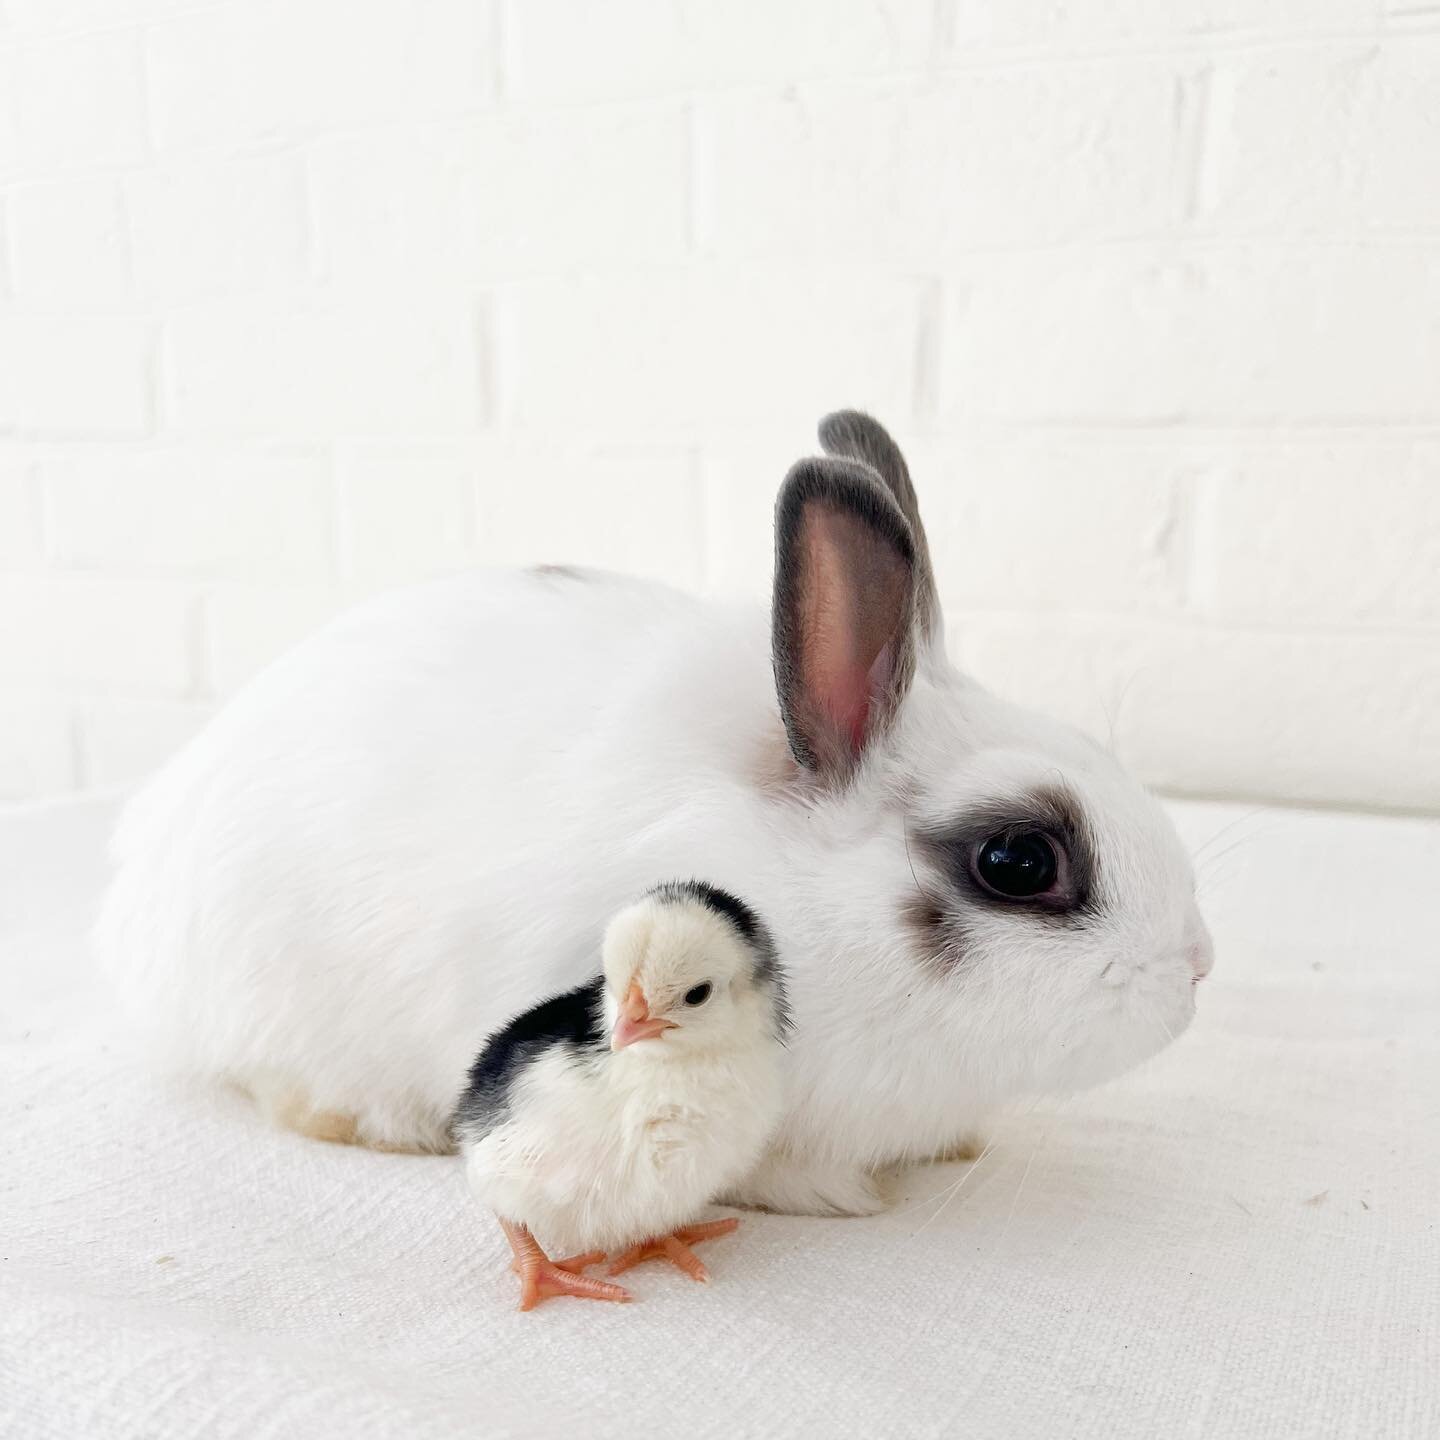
(634, 1022)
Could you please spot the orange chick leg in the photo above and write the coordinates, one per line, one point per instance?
(676, 1249)
(541, 1278)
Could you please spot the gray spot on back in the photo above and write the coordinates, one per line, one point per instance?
(560, 572)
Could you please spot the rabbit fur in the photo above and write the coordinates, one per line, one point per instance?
(416, 824)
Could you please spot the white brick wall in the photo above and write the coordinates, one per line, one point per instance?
(300, 298)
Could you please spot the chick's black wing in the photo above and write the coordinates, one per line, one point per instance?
(570, 1021)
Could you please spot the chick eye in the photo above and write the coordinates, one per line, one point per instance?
(699, 994)
(1017, 866)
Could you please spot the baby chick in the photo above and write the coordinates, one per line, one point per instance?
(608, 1116)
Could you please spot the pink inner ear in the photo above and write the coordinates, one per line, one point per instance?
(852, 606)
(881, 674)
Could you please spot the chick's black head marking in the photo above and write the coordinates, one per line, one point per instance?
(747, 925)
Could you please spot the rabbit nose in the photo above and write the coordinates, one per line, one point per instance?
(1202, 958)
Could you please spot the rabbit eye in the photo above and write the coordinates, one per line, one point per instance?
(698, 994)
(1017, 866)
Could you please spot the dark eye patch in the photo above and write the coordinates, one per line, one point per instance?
(996, 855)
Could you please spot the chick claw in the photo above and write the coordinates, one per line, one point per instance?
(573, 1265)
(542, 1278)
(676, 1249)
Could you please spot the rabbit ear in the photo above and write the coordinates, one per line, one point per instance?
(844, 611)
(853, 435)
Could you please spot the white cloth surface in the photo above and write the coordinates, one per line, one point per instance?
(1241, 1238)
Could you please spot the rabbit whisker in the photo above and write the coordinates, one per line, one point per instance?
(1044, 1140)
(952, 1191)
(1214, 872)
(1224, 830)
(945, 1195)
(1158, 1018)
(920, 890)
(944, 1189)
(1112, 711)
(1213, 861)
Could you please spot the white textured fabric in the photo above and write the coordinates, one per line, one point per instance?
(1241, 1239)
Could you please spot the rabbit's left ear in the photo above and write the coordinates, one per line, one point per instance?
(844, 618)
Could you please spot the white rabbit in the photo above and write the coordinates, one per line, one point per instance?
(416, 824)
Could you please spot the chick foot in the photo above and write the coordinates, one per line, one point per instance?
(676, 1249)
(542, 1278)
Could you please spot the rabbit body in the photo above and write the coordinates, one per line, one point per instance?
(414, 826)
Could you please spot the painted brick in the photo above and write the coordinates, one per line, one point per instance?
(246, 626)
(21, 542)
(540, 502)
(739, 479)
(1246, 707)
(1048, 154)
(407, 510)
(1076, 670)
(570, 50)
(1054, 525)
(235, 74)
(1101, 24)
(671, 349)
(240, 514)
(504, 195)
(68, 245)
(1026, 524)
(79, 102)
(48, 17)
(218, 228)
(96, 633)
(1147, 292)
(37, 747)
(1339, 136)
(11, 147)
(75, 375)
(1131, 335)
(1323, 533)
(124, 740)
(1307, 717)
(402, 365)
(832, 182)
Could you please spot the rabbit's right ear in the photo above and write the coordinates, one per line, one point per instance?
(843, 627)
(853, 435)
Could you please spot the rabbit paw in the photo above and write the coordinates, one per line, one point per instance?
(290, 1107)
(794, 1187)
(968, 1147)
